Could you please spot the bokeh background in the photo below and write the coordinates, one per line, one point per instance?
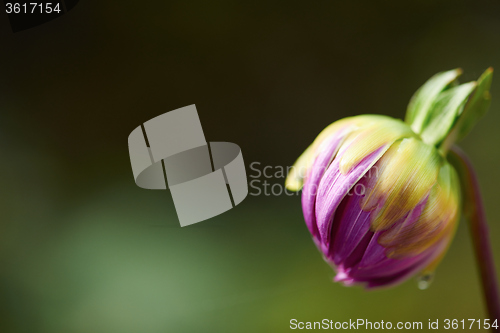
(83, 249)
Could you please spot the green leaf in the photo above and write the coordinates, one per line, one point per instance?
(474, 110)
(477, 106)
(420, 106)
(445, 111)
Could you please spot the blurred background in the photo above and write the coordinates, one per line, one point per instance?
(83, 249)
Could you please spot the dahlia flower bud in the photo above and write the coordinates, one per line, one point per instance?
(379, 196)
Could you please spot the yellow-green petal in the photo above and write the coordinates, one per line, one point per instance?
(400, 180)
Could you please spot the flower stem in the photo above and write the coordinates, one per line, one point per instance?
(474, 212)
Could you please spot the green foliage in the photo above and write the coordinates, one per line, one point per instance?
(443, 112)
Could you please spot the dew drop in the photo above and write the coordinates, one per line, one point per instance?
(425, 281)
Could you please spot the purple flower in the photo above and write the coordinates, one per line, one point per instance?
(379, 196)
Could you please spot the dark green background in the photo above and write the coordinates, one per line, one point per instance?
(83, 249)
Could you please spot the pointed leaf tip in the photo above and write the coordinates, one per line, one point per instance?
(474, 110)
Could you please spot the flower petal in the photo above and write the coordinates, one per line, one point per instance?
(332, 189)
(422, 261)
(297, 175)
(437, 220)
(352, 222)
(328, 149)
(402, 178)
(367, 139)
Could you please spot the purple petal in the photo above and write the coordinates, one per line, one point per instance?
(359, 256)
(376, 253)
(388, 271)
(375, 262)
(382, 266)
(327, 151)
(425, 259)
(332, 189)
(353, 224)
(401, 276)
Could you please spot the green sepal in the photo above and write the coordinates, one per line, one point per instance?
(474, 110)
(445, 111)
(420, 106)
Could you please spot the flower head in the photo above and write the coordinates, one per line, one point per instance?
(379, 196)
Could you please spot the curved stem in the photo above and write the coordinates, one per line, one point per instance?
(474, 212)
